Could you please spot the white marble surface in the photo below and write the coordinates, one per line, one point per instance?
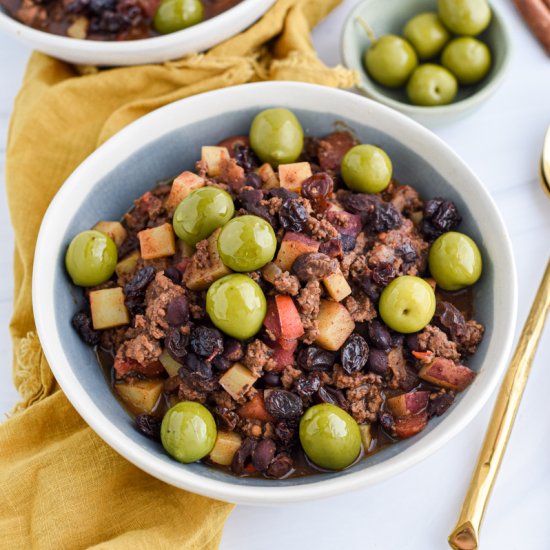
(416, 510)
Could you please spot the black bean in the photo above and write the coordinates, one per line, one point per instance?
(333, 396)
(177, 312)
(233, 349)
(206, 342)
(281, 466)
(243, 455)
(440, 403)
(283, 404)
(314, 266)
(263, 454)
(220, 363)
(358, 203)
(411, 342)
(271, 379)
(174, 274)
(314, 358)
(349, 242)
(253, 180)
(176, 344)
(378, 362)
(83, 326)
(250, 196)
(354, 354)
(379, 335)
(371, 289)
(149, 425)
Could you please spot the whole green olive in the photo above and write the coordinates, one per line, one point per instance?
(366, 169)
(466, 17)
(431, 85)
(330, 437)
(276, 136)
(175, 15)
(427, 34)
(407, 304)
(188, 431)
(91, 258)
(236, 305)
(247, 243)
(467, 58)
(201, 213)
(390, 60)
(454, 261)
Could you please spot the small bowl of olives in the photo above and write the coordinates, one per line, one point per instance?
(433, 60)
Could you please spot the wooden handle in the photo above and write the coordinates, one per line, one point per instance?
(466, 534)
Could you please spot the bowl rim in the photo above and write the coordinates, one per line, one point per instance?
(196, 38)
(422, 110)
(149, 128)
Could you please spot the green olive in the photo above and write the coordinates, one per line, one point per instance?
(427, 34)
(454, 261)
(432, 85)
(188, 431)
(390, 61)
(91, 258)
(236, 305)
(407, 304)
(175, 15)
(467, 58)
(330, 436)
(201, 213)
(247, 243)
(276, 136)
(469, 17)
(366, 169)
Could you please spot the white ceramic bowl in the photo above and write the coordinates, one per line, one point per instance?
(138, 52)
(168, 141)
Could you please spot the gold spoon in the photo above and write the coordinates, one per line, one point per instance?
(465, 536)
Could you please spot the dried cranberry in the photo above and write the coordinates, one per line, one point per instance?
(206, 342)
(383, 273)
(177, 312)
(233, 349)
(317, 189)
(333, 248)
(271, 379)
(450, 319)
(253, 180)
(243, 455)
(349, 242)
(83, 325)
(140, 281)
(306, 387)
(293, 215)
(378, 362)
(333, 396)
(263, 454)
(280, 467)
(149, 425)
(283, 404)
(354, 354)
(440, 215)
(314, 358)
(314, 266)
(130, 244)
(383, 217)
(245, 157)
(379, 335)
(176, 344)
(174, 274)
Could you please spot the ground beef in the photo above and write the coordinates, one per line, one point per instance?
(309, 301)
(397, 365)
(142, 348)
(435, 340)
(160, 292)
(186, 393)
(473, 337)
(257, 357)
(289, 375)
(273, 205)
(112, 339)
(405, 199)
(365, 403)
(147, 208)
(360, 307)
(332, 148)
(320, 229)
(231, 174)
(285, 283)
(342, 380)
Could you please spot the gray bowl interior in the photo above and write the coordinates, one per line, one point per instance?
(390, 16)
(178, 151)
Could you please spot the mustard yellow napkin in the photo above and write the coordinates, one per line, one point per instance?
(61, 487)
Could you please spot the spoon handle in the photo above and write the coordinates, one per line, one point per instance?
(466, 533)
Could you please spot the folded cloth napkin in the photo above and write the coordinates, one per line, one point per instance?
(61, 486)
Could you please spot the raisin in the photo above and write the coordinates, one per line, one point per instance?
(317, 189)
(283, 404)
(378, 362)
(293, 215)
(149, 425)
(83, 325)
(176, 344)
(281, 466)
(206, 342)
(383, 217)
(383, 273)
(439, 403)
(349, 242)
(314, 266)
(282, 193)
(371, 289)
(333, 396)
(135, 304)
(227, 419)
(379, 335)
(409, 256)
(358, 203)
(313, 358)
(306, 387)
(253, 180)
(198, 374)
(174, 274)
(285, 431)
(177, 312)
(440, 216)
(243, 455)
(333, 248)
(387, 422)
(221, 364)
(263, 454)
(354, 354)
(449, 319)
(140, 281)
(233, 349)
(245, 157)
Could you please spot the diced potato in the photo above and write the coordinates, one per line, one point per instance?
(335, 325)
(115, 230)
(366, 436)
(292, 246)
(128, 265)
(108, 309)
(213, 157)
(181, 187)
(227, 444)
(171, 366)
(186, 250)
(157, 242)
(408, 404)
(293, 175)
(447, 374)
(337, 286)
(269, 177)
(200, 278)
(237, 381)
(141, 395)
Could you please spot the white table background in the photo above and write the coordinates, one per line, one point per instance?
(415, 510)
